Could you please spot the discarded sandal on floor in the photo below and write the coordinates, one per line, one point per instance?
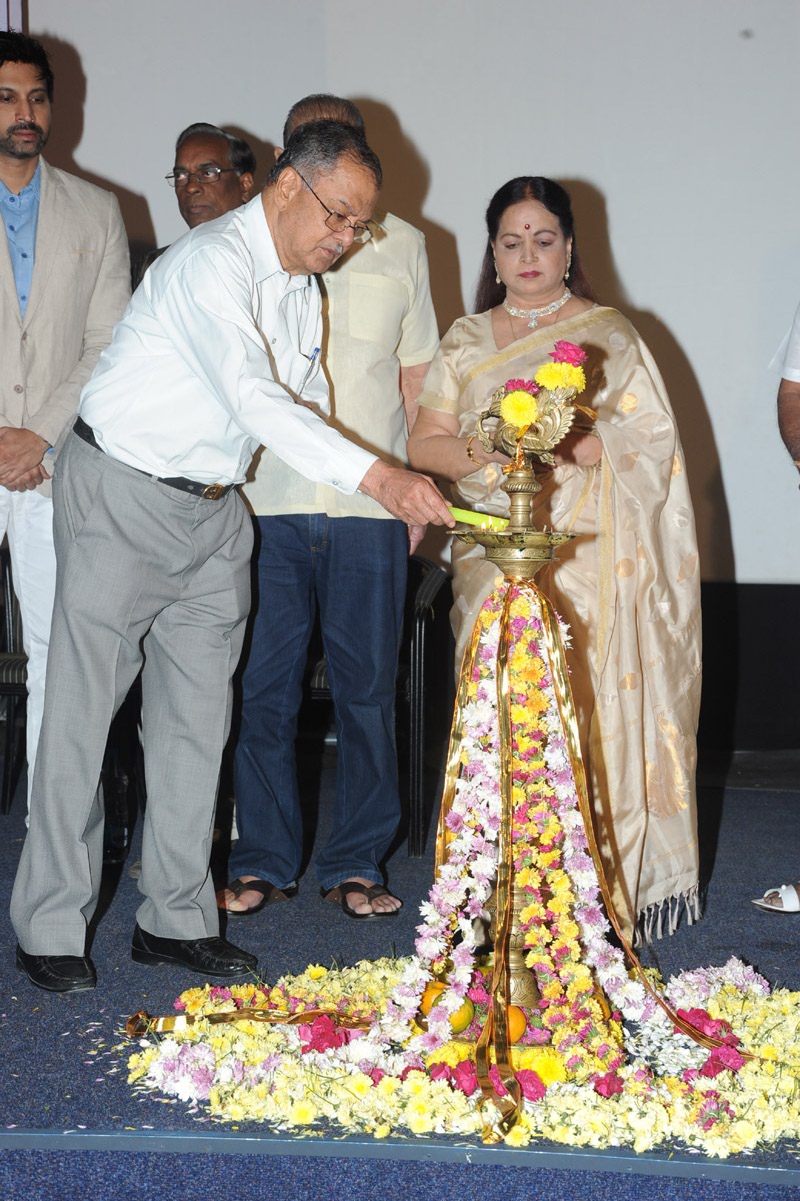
(339, 895)
(269, 895)
(787, 900)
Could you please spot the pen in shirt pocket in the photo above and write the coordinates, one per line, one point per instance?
(311, 364)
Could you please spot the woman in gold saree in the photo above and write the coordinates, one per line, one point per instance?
(628, 585)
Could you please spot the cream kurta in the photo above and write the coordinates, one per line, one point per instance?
(628, 586)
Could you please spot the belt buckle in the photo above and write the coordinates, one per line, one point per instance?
(213, 491)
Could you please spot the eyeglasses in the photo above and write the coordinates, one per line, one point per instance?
(338, 222)
(180, 176)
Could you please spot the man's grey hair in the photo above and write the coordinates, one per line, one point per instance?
(317, 147)
(242, 158)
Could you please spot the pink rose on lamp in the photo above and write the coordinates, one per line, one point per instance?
(568, 352)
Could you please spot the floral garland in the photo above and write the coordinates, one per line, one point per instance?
(584, 1078)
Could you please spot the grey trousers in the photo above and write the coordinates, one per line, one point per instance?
(146, 575)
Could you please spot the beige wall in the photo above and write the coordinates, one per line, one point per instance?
(674, 124)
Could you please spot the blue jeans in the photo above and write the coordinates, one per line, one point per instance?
(356, 568)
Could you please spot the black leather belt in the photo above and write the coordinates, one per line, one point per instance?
(207, 491)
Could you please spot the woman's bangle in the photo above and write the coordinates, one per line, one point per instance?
(470, 451)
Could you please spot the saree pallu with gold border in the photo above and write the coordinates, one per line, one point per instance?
(628, 586)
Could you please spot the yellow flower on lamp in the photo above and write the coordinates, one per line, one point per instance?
(553, 376)
(519, 408)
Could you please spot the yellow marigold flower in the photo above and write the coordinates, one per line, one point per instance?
(303, 1112)
(194, 999)
(552, 991)
(518, 1136)
(316, 971)
(451, 1053)
(360, 1084)
(418, 1117)
(519, 408)
(382, 1131)
(560, 375)
(742, 1135)
(415, 1083)
(546, 1063)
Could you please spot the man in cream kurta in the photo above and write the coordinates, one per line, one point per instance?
(348, 553)
(64, 281)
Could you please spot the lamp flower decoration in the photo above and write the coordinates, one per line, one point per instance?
(534, 415)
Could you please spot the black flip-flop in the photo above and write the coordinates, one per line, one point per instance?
(269, 895)
(340, 892)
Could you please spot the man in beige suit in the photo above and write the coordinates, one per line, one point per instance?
(64, 282)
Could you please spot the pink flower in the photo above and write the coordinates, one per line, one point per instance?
(567, 352)
(465, 1077)
(609, 1084)
(439, 1071)
(499, 1087)
(720, 1060)
(523, 385)
(531, 1085)
(715, 1028)
(321, 1035)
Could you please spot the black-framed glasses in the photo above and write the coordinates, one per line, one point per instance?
(338, 222)
(208, 174)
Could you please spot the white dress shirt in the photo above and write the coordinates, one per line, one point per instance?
(210, 359)
(789, 363)
(379, 318)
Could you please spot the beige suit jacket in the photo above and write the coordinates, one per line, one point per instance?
(80, 287)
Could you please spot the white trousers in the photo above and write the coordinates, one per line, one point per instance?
(27, 518)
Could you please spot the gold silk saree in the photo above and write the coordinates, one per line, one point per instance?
(628, 586)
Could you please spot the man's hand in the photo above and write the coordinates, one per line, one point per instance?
(411, 497)
(20, 452)
(415, 535)
(28, 480)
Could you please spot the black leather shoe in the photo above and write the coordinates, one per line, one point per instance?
(57, 973)
(207, 956)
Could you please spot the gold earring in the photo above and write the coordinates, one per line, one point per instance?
(497, 278)
(569, 264)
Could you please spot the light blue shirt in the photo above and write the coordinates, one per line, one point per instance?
(20, 216)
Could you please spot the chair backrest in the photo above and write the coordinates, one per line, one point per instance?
(12, 619)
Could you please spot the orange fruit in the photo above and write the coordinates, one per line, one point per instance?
(432, 995)
(433, 991)
(517, 1023)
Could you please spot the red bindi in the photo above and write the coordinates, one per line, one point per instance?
(527, 226)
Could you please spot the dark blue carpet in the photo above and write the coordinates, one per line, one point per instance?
(61, 1072)
(42, 1176)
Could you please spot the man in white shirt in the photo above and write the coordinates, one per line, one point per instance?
(315, 545)
(214, 353)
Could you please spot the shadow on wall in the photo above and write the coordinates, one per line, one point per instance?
(406, 177)
(68, 108)
(697, 435)
(722, 664)
(264, 151)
